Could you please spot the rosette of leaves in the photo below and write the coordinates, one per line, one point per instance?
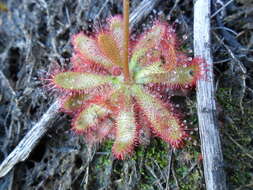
(107, 105)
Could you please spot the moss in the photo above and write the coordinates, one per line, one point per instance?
(101, 167)
(236, 127)
(145, 187)
(193, 182)
(156, 151)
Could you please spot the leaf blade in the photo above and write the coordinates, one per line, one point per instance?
(116, 29)
(88, 49)
(101, 132)
(82, 81)
(90, 117)
(162, 121)
(74, 102)
(126, 129)
(109, 47)
(147, 47)
(182, 75)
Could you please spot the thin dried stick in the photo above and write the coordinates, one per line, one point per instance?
(126, 39)
(26, 145)
(243, 71)
(169, 168)
(208, 125)
(175, 176)
(145, 7)
(6, 85)
(223, 7)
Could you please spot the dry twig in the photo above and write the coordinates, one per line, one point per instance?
(208, 125)
(142, 11)
(26, 145)
(169, 168)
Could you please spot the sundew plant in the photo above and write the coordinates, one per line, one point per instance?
(115, 86)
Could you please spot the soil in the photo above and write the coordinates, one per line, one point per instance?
(34, 35)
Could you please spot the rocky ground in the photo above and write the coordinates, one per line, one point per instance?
(36, 33)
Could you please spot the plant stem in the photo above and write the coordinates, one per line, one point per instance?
(126, 40)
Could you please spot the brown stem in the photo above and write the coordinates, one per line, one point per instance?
(126, 40)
